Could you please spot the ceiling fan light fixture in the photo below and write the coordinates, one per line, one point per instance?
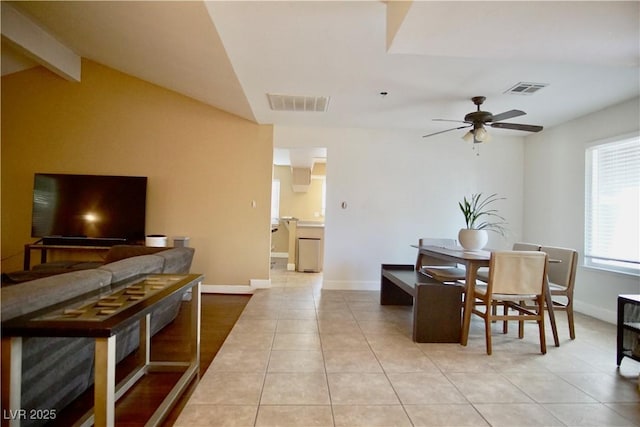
(480, 119)
(481, 134)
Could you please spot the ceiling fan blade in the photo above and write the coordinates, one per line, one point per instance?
(448, 130)
(517, 126)
(447, 120)
(507, 115)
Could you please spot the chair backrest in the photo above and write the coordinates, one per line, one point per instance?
(521, 246)
(561, 273)
(445, 243)
(517, 272)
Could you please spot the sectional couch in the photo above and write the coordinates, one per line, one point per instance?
(55, 371)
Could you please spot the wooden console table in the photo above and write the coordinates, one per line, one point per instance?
(44, 248)
(100, 315)
(436, 306)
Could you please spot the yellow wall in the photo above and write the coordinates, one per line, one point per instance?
(303, 206)
(319, 169)
(205, 166)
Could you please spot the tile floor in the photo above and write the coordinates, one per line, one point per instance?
(301, 356)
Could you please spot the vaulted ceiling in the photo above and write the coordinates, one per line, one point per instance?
(428, 57)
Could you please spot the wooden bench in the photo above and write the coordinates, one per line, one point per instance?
(436, 306)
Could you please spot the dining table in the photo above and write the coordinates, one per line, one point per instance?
(472, 260)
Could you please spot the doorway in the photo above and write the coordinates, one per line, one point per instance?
(298, 209)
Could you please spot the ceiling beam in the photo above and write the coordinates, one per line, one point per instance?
(36, 43)
(396, 12)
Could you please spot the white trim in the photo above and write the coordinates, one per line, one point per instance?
(291, 267)
(260, 283)
(351, 285)
(595, 311)
(226, 289)
(613, 139)
(609, 271)
(596, 229)
(38, 44)
(237, 289)
(279, 255)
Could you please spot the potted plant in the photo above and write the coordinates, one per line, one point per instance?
(479, 218)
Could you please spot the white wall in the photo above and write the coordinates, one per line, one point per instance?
(399, 187)
(554, 198)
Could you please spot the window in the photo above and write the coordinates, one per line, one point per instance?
(612, 205)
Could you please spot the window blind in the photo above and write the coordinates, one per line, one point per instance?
(612, 211)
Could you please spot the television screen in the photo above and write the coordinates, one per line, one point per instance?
(96, 206)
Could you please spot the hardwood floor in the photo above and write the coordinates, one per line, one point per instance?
(219, 314)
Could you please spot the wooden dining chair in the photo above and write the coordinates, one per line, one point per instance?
(561, 271)
(514, 276)
(483, 272)
(522, 246)
(439, 270)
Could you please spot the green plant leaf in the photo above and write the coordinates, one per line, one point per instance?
(479, 216)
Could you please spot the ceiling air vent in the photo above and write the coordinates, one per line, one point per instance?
(524, 88)
(298, 103)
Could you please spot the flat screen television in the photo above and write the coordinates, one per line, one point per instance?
(98, 209)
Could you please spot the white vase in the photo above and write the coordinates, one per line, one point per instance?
(473, 240)
(156, 240)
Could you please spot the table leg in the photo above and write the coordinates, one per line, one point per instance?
(620, 332)
(105, 378)
(552, 317)
(470, 283)
(12, 381)
(192, 367)
(144, 351)
(195, 326)
(27, 257)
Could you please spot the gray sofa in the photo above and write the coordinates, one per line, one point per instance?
(55, 371)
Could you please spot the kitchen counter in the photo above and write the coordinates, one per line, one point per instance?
(314, 224)
(303, 229)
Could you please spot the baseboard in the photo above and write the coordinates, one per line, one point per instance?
(580, 307)
(260, 283)
(351, 285)
(236, 289)
(594, 311)
(291, 267)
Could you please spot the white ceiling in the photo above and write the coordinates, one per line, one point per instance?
(431, 57)
(300, 157)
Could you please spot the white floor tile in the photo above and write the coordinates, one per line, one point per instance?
(303, 356)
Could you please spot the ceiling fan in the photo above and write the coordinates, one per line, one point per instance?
(479, 119)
